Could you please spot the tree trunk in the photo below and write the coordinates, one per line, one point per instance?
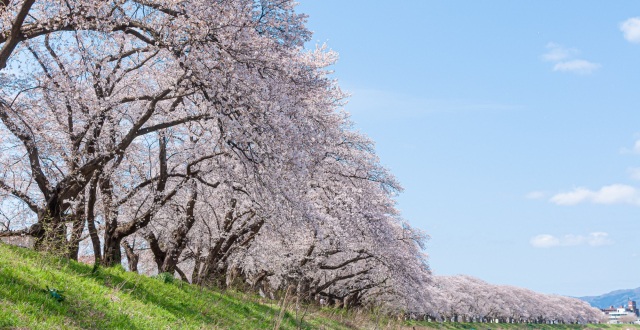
(215, 264)
(113, 235)
(132, 257)
(197, 262)
(77, 229)
(50, 231)
(112, 255)
(183, 276)
(179, 237)
(91, 221)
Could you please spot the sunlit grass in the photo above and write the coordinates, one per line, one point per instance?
(116, 299)
(112, 298)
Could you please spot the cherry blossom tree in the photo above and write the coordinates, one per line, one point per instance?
(203, 132)
(202, 136)
(468, 298)
(84, 83)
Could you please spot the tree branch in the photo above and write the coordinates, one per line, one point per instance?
(31, 147)
(172, 123)
(20, 195)
(345, 263)
(15, 36)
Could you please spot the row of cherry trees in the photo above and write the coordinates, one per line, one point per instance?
(202, 136)
(466, 299)
(200, 133)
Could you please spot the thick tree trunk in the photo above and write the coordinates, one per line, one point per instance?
(215, 265)
(112, 253)
(212, 268)
(167, 259)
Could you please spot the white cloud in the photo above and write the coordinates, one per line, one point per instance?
(595, 239)
(565, 60)
(557, 53)
(631, 29)
(634, 150)
(536, 195)
(544, 241)
(599, 239)
(612, 194)
(576, 66)
(576, 196)
(616, 193)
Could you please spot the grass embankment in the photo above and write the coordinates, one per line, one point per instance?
(115, 299)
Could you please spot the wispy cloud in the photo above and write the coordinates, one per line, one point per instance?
(631, 29)
(557, 53)
(565, 60)
(544, 241)
(612, 194)
(633, 150)
(576, 66)
(595, 239)
(385, 105)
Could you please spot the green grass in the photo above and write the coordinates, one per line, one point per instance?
(116, 299)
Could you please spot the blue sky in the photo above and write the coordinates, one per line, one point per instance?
(512, 126)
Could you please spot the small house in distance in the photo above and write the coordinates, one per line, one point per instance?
(622, 314)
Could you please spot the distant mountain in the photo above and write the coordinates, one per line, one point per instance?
(614, 298)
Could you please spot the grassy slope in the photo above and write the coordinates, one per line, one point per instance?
(115, 299)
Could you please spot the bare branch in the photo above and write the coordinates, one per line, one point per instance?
(27, 140)
(20, 195)
(15, 36)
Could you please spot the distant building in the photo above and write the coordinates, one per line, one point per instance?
(619, 314)
(633, 308)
